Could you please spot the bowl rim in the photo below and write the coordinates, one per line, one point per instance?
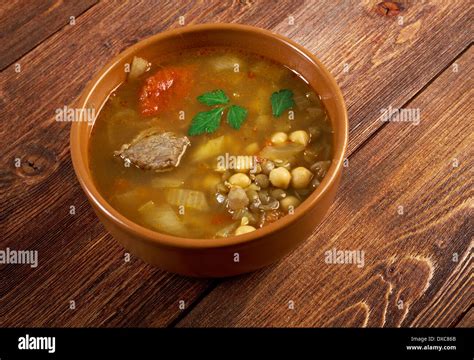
(85, 179)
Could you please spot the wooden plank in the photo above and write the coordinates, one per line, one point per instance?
(406, 201)
(85, 266)
(26, 23)
(453, 298)
(468, 320)
(36, 198)
(92, 284)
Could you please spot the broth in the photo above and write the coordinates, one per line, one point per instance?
(238, 176)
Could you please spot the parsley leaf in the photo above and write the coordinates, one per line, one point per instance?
(236, 116)
(216, 97)
(209, 121)
(206, 122)
(281, 100)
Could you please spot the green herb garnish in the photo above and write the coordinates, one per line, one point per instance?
(216, 97)
(281, 101)
(209, 121)
(206, 122)
(236, 116)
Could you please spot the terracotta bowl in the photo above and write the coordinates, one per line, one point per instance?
(232, 255)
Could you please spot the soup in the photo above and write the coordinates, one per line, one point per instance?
(210, 142)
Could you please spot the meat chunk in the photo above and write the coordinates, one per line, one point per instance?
(152, 150)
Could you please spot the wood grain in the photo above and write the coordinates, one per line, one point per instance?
(418, 262)
(388, 64)
(468, 320)
(25, 24)
(456, 294)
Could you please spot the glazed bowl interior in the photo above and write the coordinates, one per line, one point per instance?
(248, 38)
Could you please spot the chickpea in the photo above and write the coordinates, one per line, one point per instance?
(300, 137)
(280, 177)
(279, 138)
(244, 229)
(253, 187)
(300, 177)
(239, 179)
(252, 195)
(289, 203)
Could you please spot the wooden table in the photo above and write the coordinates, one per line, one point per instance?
(406, 198)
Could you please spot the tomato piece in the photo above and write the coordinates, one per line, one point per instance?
(164, 90)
